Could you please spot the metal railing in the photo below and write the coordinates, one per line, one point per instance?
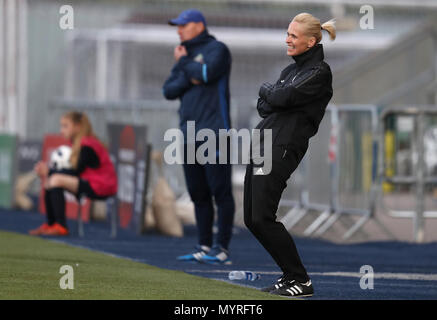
(417, 178)
(349, 187)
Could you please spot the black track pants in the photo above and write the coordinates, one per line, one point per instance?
(261, 198)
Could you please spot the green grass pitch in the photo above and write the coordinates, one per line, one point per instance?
(30, 269)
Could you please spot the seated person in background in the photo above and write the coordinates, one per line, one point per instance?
(92, 175)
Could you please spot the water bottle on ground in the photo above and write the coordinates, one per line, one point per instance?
(244, 275)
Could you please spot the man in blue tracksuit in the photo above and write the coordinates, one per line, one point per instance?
(200, 79)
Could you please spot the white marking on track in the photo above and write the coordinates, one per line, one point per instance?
(377, 275)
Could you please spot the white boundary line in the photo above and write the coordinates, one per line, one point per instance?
(380, 275)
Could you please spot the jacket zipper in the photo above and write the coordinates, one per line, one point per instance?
(307, 79)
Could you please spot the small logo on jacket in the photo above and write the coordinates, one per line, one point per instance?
(199, 58)
(258, 172)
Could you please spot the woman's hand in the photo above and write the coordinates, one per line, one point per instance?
(265, 90)
(264, 109)
(41, 169)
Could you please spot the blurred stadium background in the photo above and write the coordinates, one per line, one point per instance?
(369, 173)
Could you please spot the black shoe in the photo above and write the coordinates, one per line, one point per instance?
(292, 288)
(274, 286)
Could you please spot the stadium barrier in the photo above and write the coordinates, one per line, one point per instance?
(421, 174)
(342, 180)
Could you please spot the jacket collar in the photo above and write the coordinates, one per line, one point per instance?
(201, 38)
(313, 54)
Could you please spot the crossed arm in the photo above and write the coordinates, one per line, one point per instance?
(188, 72)
(294, 95)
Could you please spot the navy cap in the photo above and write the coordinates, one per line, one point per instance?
(190, 15)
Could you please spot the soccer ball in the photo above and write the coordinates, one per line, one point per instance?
(60, 158)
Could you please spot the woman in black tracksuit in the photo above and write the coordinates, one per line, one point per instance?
(292, 108)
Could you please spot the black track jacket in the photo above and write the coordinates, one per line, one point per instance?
(294, 106)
